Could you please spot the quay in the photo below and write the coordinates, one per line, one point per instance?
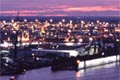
(34, 44)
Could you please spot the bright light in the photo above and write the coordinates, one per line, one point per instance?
(110, 34)
(103, 53)
(117, 30)
(66, 39)
(25, 20)
(105, 30)
(13, 78)
(78, 74)
(80, 40)
(91, 39)
(117, 40)
(97, 21)
(4, 22)
(51, 20)
(7, 61)
(25, 36)
(63, 20)
(36, 20)
(69, 31)
(100, 61)
(78, 61)
(69, 44)
(37, 58)
(24, 70)
(70, 21)
(82, 22)
(12, 20)
(33, 54)
(60, 23)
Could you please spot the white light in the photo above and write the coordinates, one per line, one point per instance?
(13, 77)
(80, 40)
(60, 23)
(12, 20)
(103, 53)
(73, 53)
(24, 70)
(36, 20)
(117, 40)
(81, 65)
(51, 20)
(7, 61)
(37, 58)
(100, 61)
(70, 21)
(25, 20)
(82, 22)
(69, 31)
(33, 54)
(98, 21)
(91, 39)
(4, 22)
(105, 30)
(110, 34)
(63, 20)
(69, 44)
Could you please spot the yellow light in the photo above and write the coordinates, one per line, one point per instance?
(117, 30)
(78, 61)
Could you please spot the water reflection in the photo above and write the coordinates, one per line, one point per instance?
(95, 73)
(77, 74)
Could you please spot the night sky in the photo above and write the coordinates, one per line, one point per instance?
(60, 7)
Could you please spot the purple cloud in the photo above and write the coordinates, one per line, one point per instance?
(66, 7)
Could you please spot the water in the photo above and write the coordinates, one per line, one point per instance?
(104, 72)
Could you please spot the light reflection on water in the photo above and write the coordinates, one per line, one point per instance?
(99, 73)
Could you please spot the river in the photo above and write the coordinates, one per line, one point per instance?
(104, 72)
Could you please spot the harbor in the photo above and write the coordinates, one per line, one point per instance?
(59, 40)
(58, 46)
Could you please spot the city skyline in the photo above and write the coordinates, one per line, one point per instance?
(60, 8)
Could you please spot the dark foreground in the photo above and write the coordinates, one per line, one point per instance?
(104, 72)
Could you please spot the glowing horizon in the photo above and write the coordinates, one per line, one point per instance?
(60, 8)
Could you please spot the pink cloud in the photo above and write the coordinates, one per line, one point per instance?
(92, 8)
(60, 10)
(56, 15)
